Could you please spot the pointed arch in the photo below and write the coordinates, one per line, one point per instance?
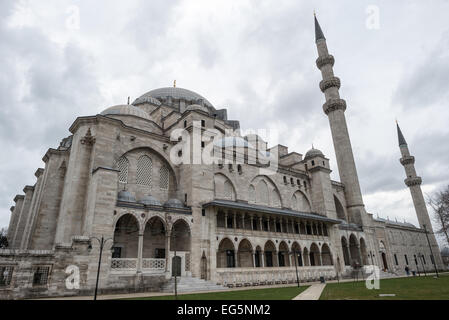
(275, 198)
(302, 203)
(223, 187)
(273, 191)
(164, 180)
(339, 208)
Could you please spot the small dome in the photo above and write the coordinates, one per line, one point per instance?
(174, 203)
(147, 99)
(150, 201)
(126, 109)
(126, 196)
(313, 153)
(198, 108)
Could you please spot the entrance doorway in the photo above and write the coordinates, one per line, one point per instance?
(203, 267)
(384, 260)
(176, 266)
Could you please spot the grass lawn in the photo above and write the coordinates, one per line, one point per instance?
(286, 293)
(412, 288)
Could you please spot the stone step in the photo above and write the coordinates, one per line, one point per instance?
(189, 284)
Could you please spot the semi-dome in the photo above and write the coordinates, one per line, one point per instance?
(126, 196)
(197, 107)
(126, 109)
(173, 203)
(313, 153)
(173, 92)
(149, 200)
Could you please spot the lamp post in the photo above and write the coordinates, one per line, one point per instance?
(371, 256)
(102, 242)
(430, 247)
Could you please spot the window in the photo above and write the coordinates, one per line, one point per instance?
(255, 224)
(269, 258)
(203, 212)
(396, 260)
(227, 190)
(185, 197)
(431, 259)
(123, 166)
(313, 162)
(239, 169)
(281, 259)
(296, 228)
(424, 259)
(116, 252)
(230, 259)
(285, 180)
(40, 276)
(160, 253)
(265, 225)
(144, 171)
(406, 259)
(163, 178)
(6, 275)
(278, 226)
(229, 222)
(230, 167)
(298, 182)
(203, 144)
(292, 181)
(203, 123)
(305, 184)
(416, 261)
(185, 123)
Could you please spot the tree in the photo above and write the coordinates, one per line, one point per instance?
(3, 239)
(439, 202)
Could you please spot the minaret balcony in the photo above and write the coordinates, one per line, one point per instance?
(407, 160)
(414, 181)
(329, 83)
(324, 60)
(334, 104)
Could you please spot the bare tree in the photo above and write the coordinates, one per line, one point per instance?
(3, 239)
(439, 202)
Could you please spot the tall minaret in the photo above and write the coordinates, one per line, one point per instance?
(335, 110)
(414, 183)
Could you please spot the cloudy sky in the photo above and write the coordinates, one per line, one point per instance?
(65, 58)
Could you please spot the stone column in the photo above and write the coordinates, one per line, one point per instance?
(167, 252)
(235, 221)
(262, 259)
(261, 223)
(252, 221)
(268, 222)
(236, 258)
(243, 221)
(140, 252)
(254, 258)
(226, 220)
(280, 224)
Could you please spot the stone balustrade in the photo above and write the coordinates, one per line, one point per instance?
(129, 265)
(238, 277)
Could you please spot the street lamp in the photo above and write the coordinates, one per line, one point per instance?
(102, 242)
(430, 247)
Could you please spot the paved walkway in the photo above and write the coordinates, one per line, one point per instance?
(311, 293)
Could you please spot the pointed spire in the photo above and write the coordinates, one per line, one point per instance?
(318, 32)
(400, 136)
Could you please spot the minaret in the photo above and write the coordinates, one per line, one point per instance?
(335, 109)
(414, 183)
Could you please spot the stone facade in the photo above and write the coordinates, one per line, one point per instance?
(118, 178)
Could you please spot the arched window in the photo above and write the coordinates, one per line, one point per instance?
(294, 203)
(123, 166)
(251, 194)
(262, 192)
(276, 200)
(163, 178)
(227, 190)
(144, 170)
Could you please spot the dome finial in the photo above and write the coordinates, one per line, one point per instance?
(174, 84)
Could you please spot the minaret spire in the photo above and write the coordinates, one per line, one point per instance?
(401, 138)
(335, 108)
(318, 32)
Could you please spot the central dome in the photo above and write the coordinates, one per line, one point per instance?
(173, 92)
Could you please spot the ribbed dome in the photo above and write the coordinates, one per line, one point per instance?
(175, 93)
(150, 201)
(174, 203)
(197, 107)
(126, 109)
(126, 196)
(313, 153)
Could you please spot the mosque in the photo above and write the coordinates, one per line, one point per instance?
(125, 187)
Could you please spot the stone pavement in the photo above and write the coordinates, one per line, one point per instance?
(311, 293)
